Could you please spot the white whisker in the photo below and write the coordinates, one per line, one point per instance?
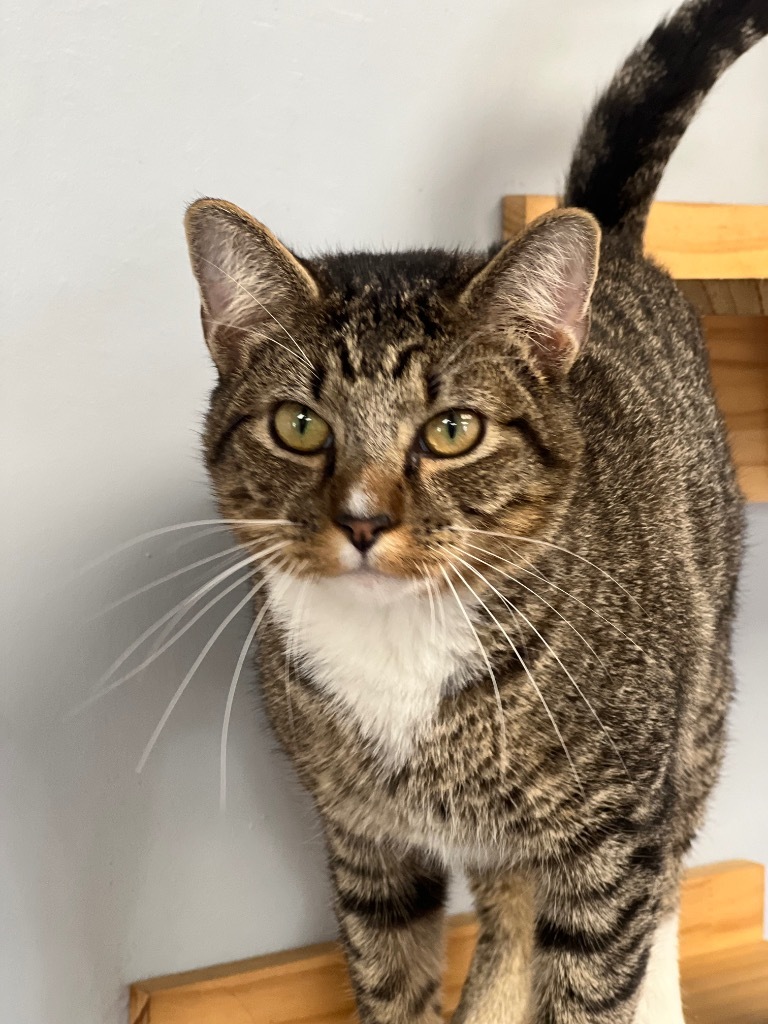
(250, 330)
(195, 537)
(451, 357)
(527, 672)
(441, 609)
(555, 547)
(182, 605)
(538, 596)
(231, 699)
(190, 675)
(292, 644)
(483, 652)
(151, 534)
(554, 654)
(159, 649)
(228, 709)
(539, 575)
(169, 628)
(176, 636)
(431, 596)
(165, 579)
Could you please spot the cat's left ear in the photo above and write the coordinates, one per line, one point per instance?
(245, 276)
(537, 289)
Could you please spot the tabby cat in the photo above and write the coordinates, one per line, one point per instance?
(495, 534)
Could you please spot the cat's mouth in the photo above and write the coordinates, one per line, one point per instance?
(367, 574)
(375, 583)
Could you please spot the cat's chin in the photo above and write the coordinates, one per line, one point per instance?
(378, 587)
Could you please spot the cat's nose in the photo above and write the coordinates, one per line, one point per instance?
(364, 533)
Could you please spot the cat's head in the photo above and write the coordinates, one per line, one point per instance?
(381, 407)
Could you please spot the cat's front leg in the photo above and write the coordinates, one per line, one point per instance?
(498, 988)
(390, 908)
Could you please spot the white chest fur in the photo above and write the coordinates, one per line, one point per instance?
(378, 647)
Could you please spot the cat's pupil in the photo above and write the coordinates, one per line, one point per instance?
(452, 426)
(302, 420)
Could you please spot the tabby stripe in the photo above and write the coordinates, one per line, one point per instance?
(648, 857)
(432, 385)
(345, 359)
(404, 359)
(712, 729)
(352, 951)
(551, 936)
(318, 379)
(544, 454)
(633, 130)
(621, 995)
(426, 897)
(388, 989)
(364, 870)
(422, 1000)
(223, 441)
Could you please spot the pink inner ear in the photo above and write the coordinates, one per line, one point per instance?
(218, 292)
(571, 304)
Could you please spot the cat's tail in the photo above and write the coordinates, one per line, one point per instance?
(636, 124)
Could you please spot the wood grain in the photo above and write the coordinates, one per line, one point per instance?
(695, 241)
(724, 967)
(719, 255)
(738, 349)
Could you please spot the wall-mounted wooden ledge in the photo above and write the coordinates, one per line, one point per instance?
(724, 964)
(719, 257)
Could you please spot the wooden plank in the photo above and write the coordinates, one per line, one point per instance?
(724, 298)
(738, 349)
(724, 966)
(727, 988)
(696, 241)
(721, 907)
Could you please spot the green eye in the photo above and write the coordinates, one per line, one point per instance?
(300, 429)
(453, 432)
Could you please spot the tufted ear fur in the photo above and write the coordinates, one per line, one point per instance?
(538, 288)
(246, 276)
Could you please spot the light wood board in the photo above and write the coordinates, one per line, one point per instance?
(695, 241)
(724, 965)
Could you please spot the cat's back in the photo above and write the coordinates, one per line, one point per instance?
(658, 482)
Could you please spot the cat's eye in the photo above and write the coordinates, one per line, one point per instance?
(453, 432)
(300, 429)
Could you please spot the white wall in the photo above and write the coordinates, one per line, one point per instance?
(339, 123)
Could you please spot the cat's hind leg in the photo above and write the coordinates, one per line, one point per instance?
(497, 990)
(660, 1000)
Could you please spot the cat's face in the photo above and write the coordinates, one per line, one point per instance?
(381, 407)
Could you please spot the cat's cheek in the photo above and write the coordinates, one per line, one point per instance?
(400, 554)
(524, 520)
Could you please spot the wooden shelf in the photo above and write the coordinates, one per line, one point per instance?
(719, 257)
(724, 965)
(695, 241)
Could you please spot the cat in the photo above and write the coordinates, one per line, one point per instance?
(495, 534)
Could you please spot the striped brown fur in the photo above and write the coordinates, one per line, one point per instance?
(608, 460)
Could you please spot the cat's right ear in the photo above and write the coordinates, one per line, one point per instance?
(536, 290)
(246, 277)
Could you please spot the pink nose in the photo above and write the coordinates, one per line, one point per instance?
(364, 533)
